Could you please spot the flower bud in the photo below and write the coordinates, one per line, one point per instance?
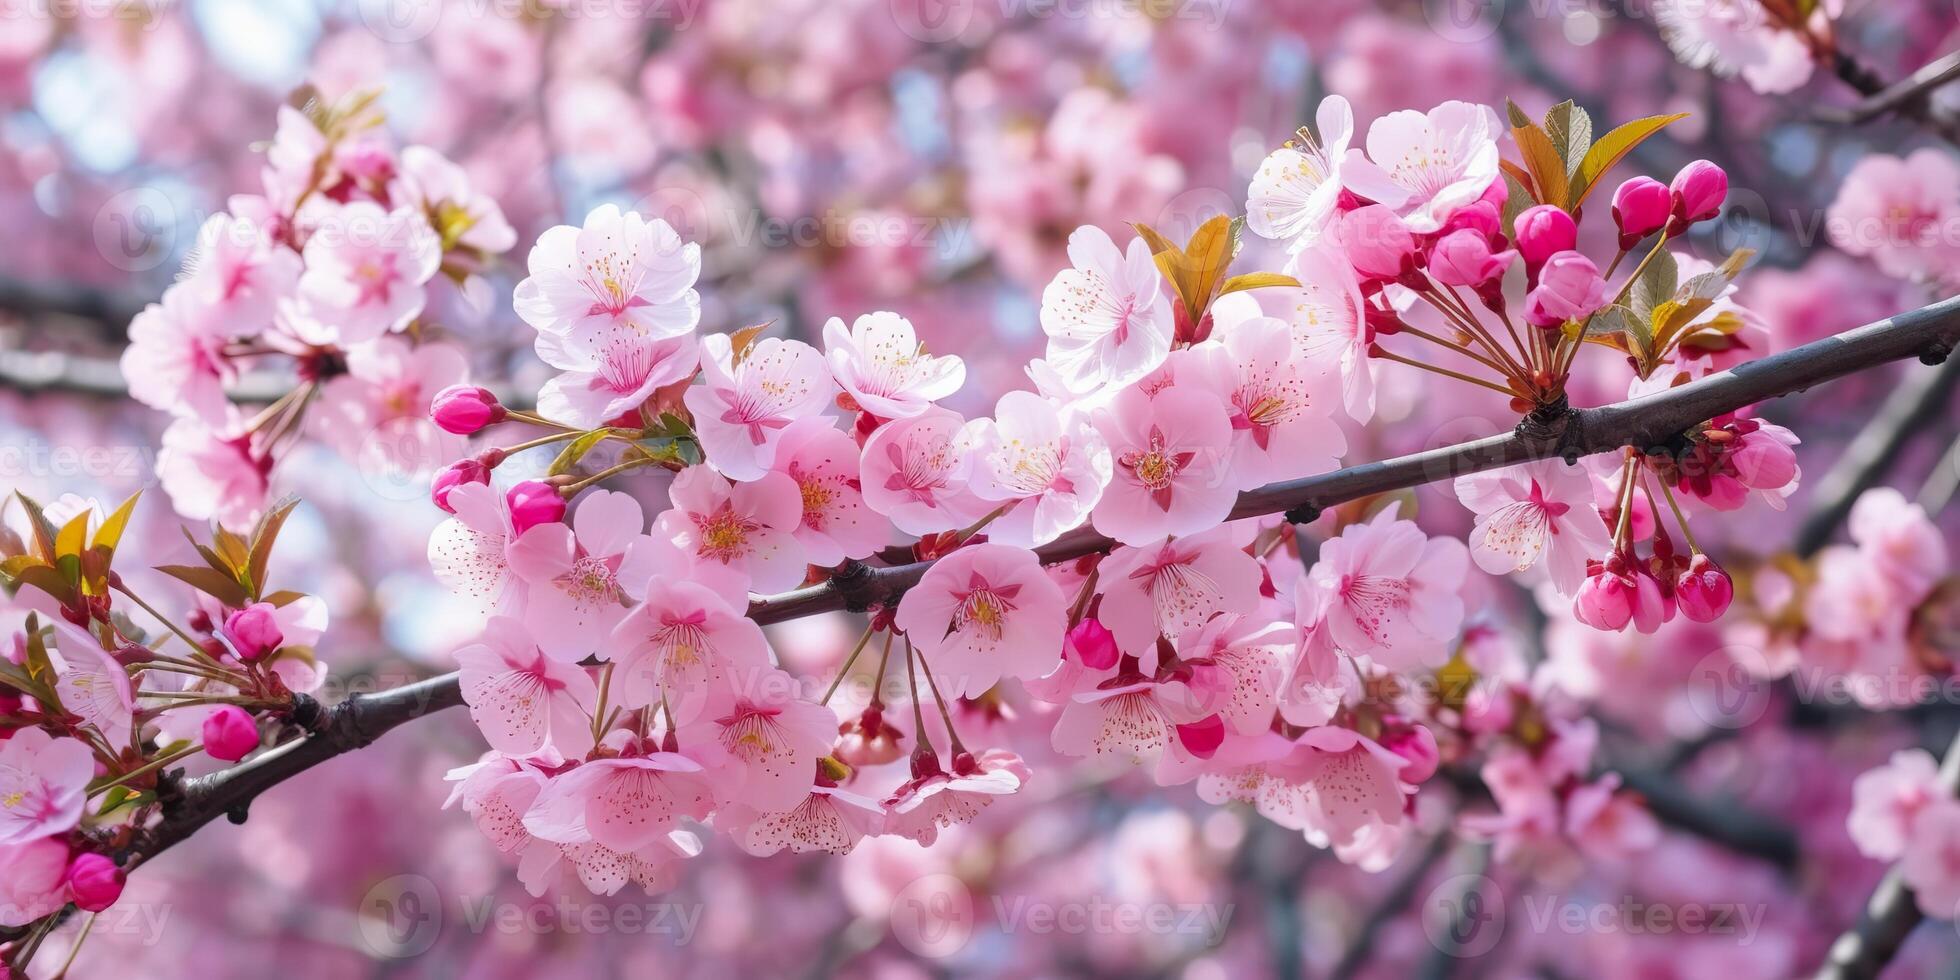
(1605, 601)
(1704, 590)
(1093, 644)
(1651, 606)
(465, 409)
(1416, 744)
(94, 881)
(532, 503)
(1640, 208)
(1697, 194)
(1464, 258)
(1377, 242)
(1761, 461)
(253, 631)
(454, 475)
(229, 733)
(1543, 231)
(1569, 288)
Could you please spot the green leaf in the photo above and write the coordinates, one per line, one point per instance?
(211, 582)
(1610, 149)
(263, 537)
(1571, 131)
(1516, 202)
(43, 531)
(1256, 280)
(1655, 285)
(571, 454)
(1548, 173)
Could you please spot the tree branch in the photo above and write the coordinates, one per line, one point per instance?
(1930, 334)
(1914, 403)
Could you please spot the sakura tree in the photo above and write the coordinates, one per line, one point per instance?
(1408, 531)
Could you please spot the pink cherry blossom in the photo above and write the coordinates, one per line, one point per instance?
(1898, 540)
(827, 819)
(881, 363)
(1280, 402)
(683, 642)
(1170, 475)
(915, 471)
(1145, 718)
(1295, 189)
(1930, 864)
(43, 784)
(573, 572)
(823, 460)
(93, 685)
(1106, 318)
(1731, 37)
(175, 361)
(524, 702)
(744, 527)
(365, 273)
(1885, 803)
(1051, 463)
(1901, 213)
(624, 803)
(387, 381)
(1257, 655)
(31, 880)
(617, 276)
(742, 407)
(603, 380)
(1352, 783)
(1426, 165)
(760, 740)
(467, 552)
(236, 273)
(934, 800)
(212, 476)
(1541, 509)
(1175, 586)
(442, 190)
(1392, 590)
(985, 612)
(1329, 320)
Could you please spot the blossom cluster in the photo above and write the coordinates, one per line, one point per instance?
(630, 702)
(93, 708)
(333, 271)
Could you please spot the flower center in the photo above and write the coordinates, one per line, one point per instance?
(724, 534)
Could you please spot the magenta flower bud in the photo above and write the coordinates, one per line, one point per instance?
(1569, 288)
(1464, 258)
(1704, 590)
(94, 882)
(1542, 232)
(465, 409)
(532, 503)
(455, 475)
(1377, 242)
(1761, 461)
(1497, 194)
(1480, 216)
(1605, 601)
(1640, 208)
(253, 631)
(1697, 194)
(1416, 744)
(1651, 606)
(1093, 644)
(229, 733)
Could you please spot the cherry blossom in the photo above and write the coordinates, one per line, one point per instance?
(985, 612)
(1106, 318)
(575, 597)
(1050, 463)
(1426, 165)
(1170, 475)
(1392, 590)
(1888, 800)
(828, 819)
(746, 401)
(884, 368)
(744, 527)
(915, 471)
(365, 273)
(175, 360)
(387, 381)
(1541, 509)
(1329, 320)
(936, 799)
(523, 701)
(210, 475)
(823, 461)
(760, 740)
(91, 684)
(43, 783)
(236, 274)
(598, 384)
(618, 276)
(1175, 586)
(1930, 865)
(1282, 425)
(468, 552)
(1295, 190)
(623, 804)
(683, 640)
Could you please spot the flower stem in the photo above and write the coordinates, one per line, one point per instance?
(1479, 382)
(845, 670)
